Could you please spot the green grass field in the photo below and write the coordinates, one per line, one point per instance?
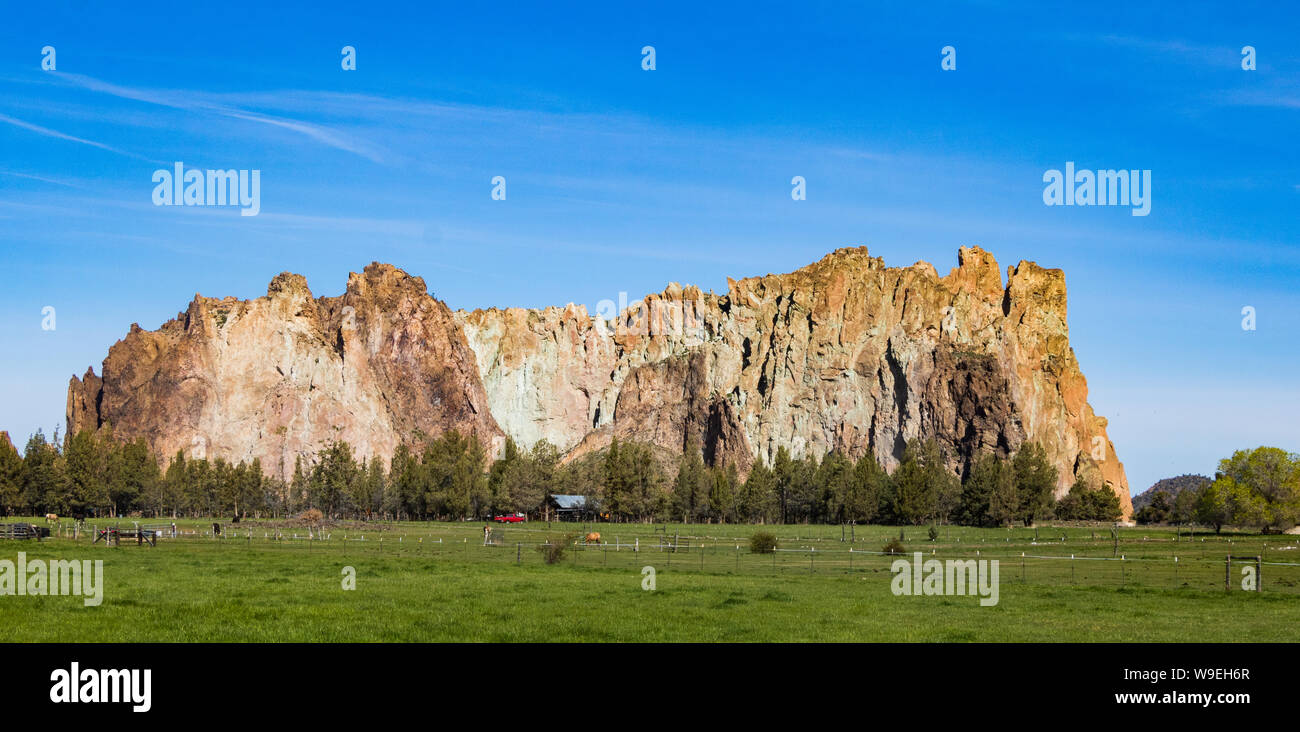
(438, 582)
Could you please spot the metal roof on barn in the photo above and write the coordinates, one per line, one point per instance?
(570, 501)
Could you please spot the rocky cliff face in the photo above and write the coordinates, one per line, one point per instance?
(843, 354)
(284, 375)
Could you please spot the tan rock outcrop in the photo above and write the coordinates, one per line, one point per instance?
(842, 354)
(283, 375)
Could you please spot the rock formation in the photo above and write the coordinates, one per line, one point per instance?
(842, 354)
(283, 375)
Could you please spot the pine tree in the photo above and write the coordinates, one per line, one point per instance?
(42, 488)
(85, 474)
(11, 477)
(333, 478)
(914, 500)
(499, 478)
(802, 494)
(406, 482)
(989, 480)
(173, 493)
(300, 484)
(757, 502)
(1035, 480)
(533, 477)
(252, 494)
(649, 498)
(782, 481)
(453, 477)
(376, 485)
(691, 489)
(866, 489)
(139, 479)
(616, 478)
(722, 492)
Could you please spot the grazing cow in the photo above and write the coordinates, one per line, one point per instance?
(52, 518)
(592, 538)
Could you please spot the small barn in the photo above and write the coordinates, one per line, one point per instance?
(569, 508)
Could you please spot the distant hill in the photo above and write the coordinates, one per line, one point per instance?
(1172, 486)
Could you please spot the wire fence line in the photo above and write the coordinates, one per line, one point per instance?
(728, 555)
(1203, 545)
(827, 535)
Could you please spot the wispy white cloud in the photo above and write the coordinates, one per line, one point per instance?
(1260, 98)
(433, 134)
(205, 103)
(63, 136)
(41, 178)
(1223, 56)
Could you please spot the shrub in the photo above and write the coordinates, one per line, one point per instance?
(554, 548)
(934, 533)
(762, 543)
(312, 516)
(894, 546)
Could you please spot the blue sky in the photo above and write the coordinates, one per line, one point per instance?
(622, 180)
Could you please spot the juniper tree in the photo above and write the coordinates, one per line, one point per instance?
(11, 477)
(1035, 479)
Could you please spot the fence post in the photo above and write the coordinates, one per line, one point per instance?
(1227, 575)
(1259, 574)
(519, 553)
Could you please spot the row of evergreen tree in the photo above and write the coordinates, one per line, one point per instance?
(921, 490)
(91, 473)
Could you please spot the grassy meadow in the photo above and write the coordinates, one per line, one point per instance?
(439, 582)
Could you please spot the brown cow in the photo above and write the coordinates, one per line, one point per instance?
(592, 538)
(52, 518)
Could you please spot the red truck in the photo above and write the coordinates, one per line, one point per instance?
(510, 518)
